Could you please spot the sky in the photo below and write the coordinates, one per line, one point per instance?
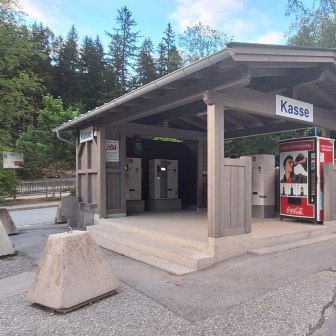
(257, 21)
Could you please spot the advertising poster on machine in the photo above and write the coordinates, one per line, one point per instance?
(301, 177)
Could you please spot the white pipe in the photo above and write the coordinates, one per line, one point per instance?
(62, 139)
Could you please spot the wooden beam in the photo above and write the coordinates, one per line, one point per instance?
(268, 129)
(234, 77)
(297, 77)
(148, 130)
(255, 102)
(323, 94)
(195, 123)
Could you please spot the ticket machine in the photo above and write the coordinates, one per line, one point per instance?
(163, 179)
(133, 178)
(263, 186)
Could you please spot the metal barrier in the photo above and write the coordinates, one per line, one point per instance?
(49, 187)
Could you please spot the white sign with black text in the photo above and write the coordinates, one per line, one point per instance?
(86, 134)
(112, 151)
(12, 160)
(292, 108)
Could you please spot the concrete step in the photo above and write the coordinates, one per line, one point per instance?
(291, 245)
(164, 237)
(291, 237)
(159, 263)
(174, 253)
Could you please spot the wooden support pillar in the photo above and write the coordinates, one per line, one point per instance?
(201, 174)
(123, 172)
(101, 172)
(229, 180)
(215, 166)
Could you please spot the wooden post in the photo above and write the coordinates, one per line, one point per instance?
(215, 167)
(101, 172)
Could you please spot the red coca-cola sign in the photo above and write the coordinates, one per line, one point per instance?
(298, 211)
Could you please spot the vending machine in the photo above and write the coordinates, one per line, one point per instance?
(163, 179)
(133, 178)
(263, 183)
(301, 177)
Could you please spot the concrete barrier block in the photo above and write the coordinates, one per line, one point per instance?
(6, 247)
(69, 206)
(72, 272)
(7, 222)
(59, 217)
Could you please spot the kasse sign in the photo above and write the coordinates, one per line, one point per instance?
(292, 108)
(86, 134)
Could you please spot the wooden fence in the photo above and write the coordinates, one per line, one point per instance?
(49, 187)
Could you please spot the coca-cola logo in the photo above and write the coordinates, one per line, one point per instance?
(295, 211)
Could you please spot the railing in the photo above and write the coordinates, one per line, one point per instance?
(49, 187)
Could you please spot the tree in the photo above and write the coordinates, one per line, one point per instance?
(42, 39)
(20, 87)
(123, 49)
(67, 68)
(145, 68)
(314, 26)
(40, 145)
(200, 41)
(92, 69)
(169, 57)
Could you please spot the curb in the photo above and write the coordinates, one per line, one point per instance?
(33, 206)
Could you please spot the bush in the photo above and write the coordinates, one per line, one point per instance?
(7, 184)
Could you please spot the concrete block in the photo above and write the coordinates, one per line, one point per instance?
(59, 217)
(6, 247)
(72, 272)
(69, 206)
(167, 204)
(7, 222)
(135, 206)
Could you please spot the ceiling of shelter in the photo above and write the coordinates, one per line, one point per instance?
(301, 73)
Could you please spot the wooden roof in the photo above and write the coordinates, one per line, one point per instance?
(249, 71)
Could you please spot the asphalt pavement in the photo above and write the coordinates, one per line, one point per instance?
(287, 293)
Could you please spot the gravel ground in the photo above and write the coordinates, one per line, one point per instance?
(16, 264)
(294, 309)
(126, 313)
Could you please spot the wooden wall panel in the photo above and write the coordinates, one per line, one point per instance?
(236, 200)
(329, 171)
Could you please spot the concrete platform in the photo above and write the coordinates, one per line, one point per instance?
(171, 240)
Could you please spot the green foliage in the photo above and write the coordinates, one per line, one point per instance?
(167, 139)
(40, 144)
(262, 144)
(92, 65)
(7, 178)
(169, 58)
(145, 67)
(20, 88)
(201, 40)
(313, 26)
(123, 49)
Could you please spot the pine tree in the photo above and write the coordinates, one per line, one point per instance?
(42, 38)
(123, 49)
(92, 66)
(67, 68)
(169, 57)
(145, 68)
